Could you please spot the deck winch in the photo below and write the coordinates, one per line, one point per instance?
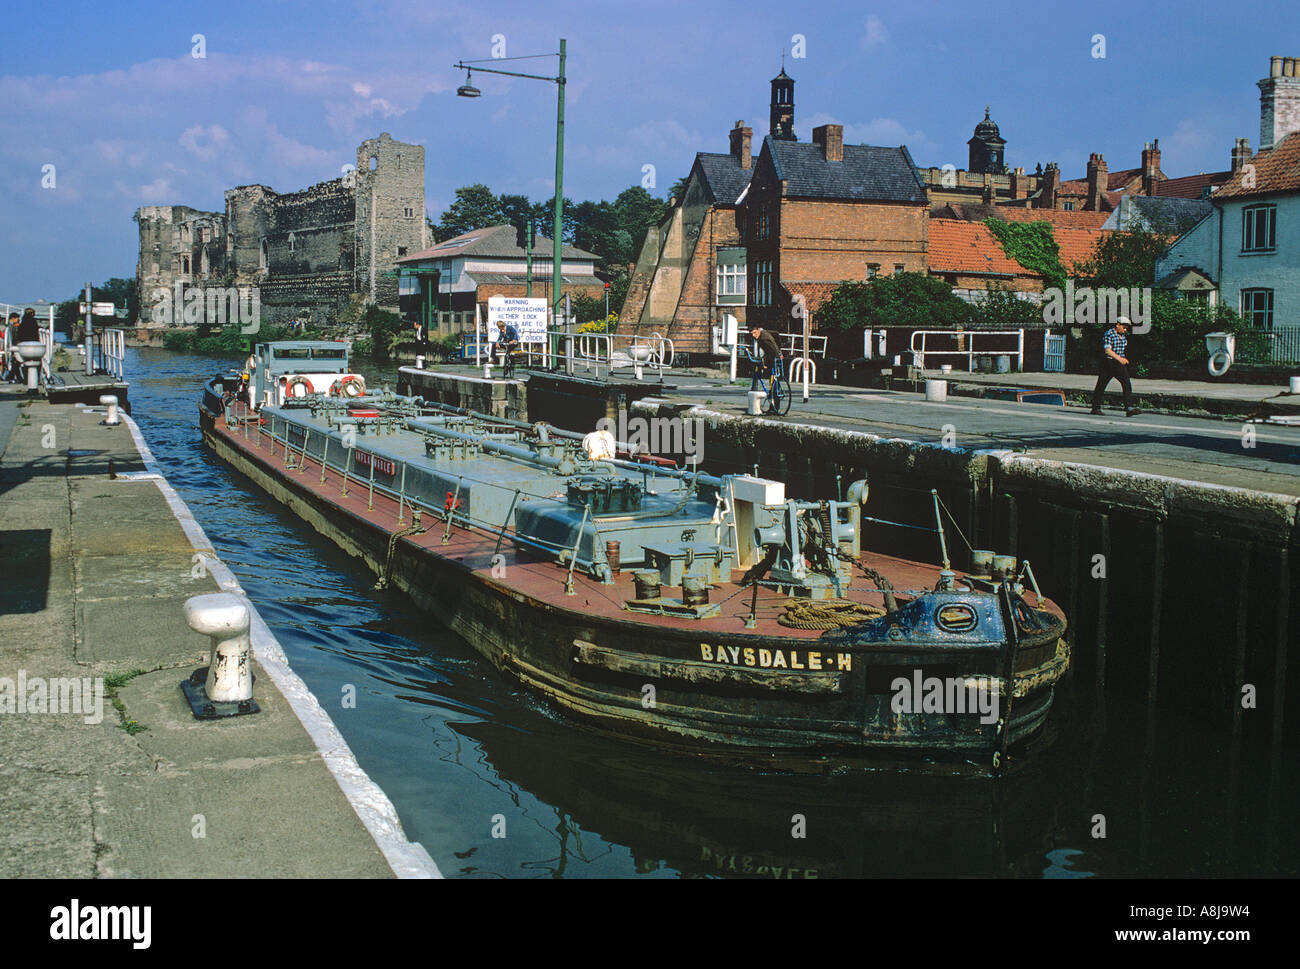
(809, 546)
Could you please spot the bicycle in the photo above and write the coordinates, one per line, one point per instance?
(508, 361)
(777, 387)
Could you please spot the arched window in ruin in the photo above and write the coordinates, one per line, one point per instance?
(264, 257)
(291, 242)
(374, 162)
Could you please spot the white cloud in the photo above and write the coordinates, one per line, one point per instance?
(878, 131)
(873, 33)
(204, 142)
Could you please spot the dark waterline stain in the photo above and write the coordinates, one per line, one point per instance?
(464, 752)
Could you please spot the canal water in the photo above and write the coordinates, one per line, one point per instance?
(497, 785)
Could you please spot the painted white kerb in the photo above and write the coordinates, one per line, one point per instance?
(408, 859)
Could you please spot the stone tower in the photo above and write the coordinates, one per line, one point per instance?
(389, 214)
(781, 122)
(1279, 101)
(986, 148)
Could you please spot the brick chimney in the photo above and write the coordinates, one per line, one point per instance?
(1150, 167)
(831, 139)
(1097, 181)
(742, 139)
(1240, 154)
(1019, 183)
(1051, 182)
(1279, 101)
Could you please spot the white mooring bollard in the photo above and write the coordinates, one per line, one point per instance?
(756, 400)
(936, 390)
(225, 688)
(110, 401)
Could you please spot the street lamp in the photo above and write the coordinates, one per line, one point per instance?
(468, 90)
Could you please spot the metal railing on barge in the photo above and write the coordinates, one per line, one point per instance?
(451, 514)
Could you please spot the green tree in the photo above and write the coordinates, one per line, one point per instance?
(475, 207)
(1123, 259)
(903, 299)
(1003, 309)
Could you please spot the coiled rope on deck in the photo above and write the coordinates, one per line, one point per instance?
(826, 613)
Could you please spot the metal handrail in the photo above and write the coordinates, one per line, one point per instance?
(970, 353)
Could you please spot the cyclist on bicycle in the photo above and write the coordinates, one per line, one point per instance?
(507, 340)
(770, 350)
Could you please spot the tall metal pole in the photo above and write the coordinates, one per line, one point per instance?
(528, 248)
(90, 340)
(559, 185)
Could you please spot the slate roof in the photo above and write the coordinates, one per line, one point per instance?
(723, 177)
(1275, 170)
(867, 173)
(1159, 214)
(497, 240)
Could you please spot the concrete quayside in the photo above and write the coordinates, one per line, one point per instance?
(101, 559)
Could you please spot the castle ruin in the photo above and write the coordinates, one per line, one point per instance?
(307, 252)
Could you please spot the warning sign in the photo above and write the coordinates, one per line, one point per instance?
(527, 315)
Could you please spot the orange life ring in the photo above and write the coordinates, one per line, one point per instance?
(298, 381)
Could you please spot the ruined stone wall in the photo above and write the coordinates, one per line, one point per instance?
(177, 243)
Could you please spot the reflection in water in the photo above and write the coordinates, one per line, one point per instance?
(496, 785)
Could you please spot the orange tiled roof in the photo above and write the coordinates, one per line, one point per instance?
(969, 247)
(1276, 170)
(1076, 245)
(1190, 186)
(1075, 218)
(814, 293)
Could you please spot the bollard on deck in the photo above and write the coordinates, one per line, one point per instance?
(110, 401)
(225, 688)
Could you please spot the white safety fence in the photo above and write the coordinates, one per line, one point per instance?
(621, 351)
(951, 345)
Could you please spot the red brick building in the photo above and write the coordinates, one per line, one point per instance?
(825, 212)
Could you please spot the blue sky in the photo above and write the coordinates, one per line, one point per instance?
(111, 95)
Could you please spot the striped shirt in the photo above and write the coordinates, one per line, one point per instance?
(1114, 342)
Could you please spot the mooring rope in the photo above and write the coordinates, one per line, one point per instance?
(826, 613)
(413, 529)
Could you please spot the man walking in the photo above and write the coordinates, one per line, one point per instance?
(1114, 366)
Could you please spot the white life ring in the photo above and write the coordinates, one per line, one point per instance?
(1220, 361)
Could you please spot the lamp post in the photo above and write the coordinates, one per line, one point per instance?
(467, 90)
